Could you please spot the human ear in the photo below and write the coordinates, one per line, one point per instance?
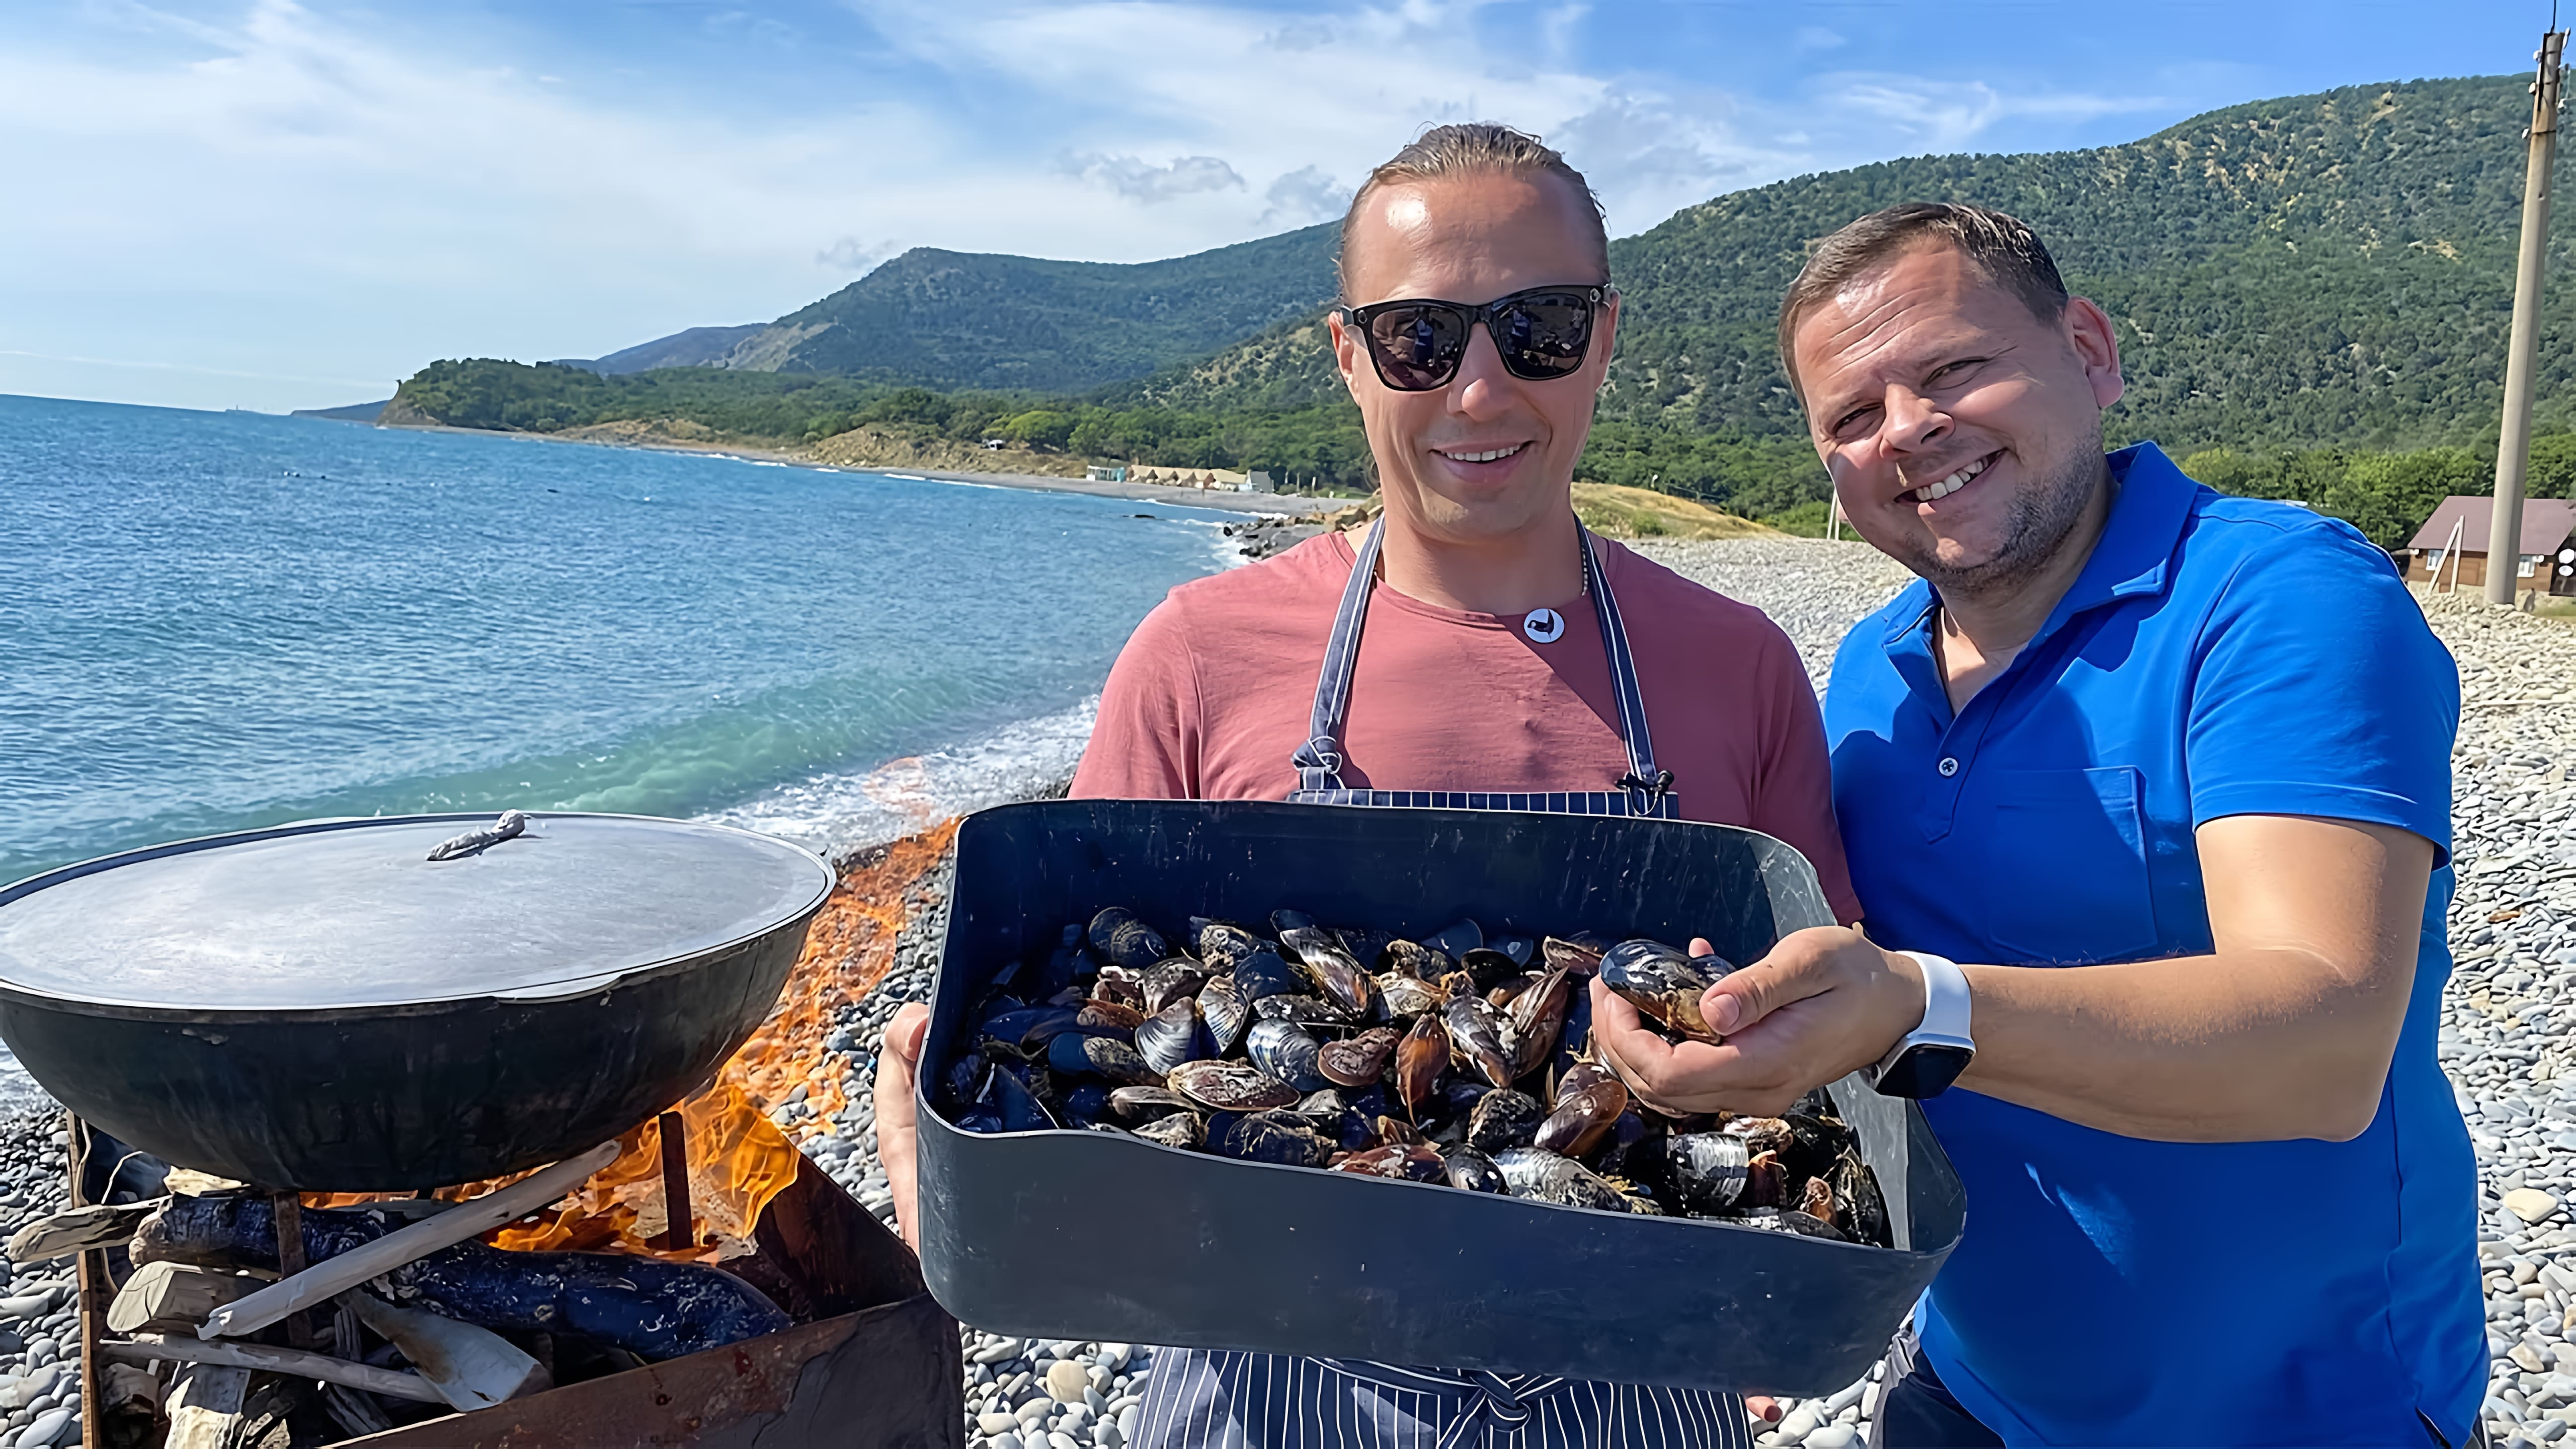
(2096, 341)
(1346, 353)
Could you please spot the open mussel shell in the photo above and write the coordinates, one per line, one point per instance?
(1522, 949)
(1266, 973)
(1224, 1012)
(1537, 1018)
(1864, 1209)
(1706, 1170)
(1276, 1137)
(1473, 1170)
(1101, 1056)
(1547, 1177)
(1579, 953)
(1503, 1119)
(1185, 1130)
(1231, 1086)
(1028, 1026)
(1360, 1061)
(1124, 940)
(1121, 986)
(1660, 982)
(1108, 1018)
(1285, 920)
(1406, 1162)
(1284, 1050)
(1490, 968)
(1180, 976)
(1174, 1035)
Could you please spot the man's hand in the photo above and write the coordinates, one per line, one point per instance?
(1823, 1003)
(898, 1063)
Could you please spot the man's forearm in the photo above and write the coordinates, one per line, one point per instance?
(2253, 1045)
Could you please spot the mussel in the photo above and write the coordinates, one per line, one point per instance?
(1224, 1012)
(1174, 1035)
(1266, 973)
(1412, 958)
(1410, 1162)
(1179, 976)
(1660, 982)
(1340, 977)
(1420, 1057)
(1108, 1018)
(1303, 1010)
(1147, 1104)
(1284, 1050)
(1181, 1129)
(1124, 940)
(1706, 1169)
(1863, 1212)
(1477, 1032)
(1278, 1137)
(1786, 1220)
(1502, 1119)
(1222, 946)
(1359, 1061)
(1537, 1017)
(1588, 1104)
(1473, 1170)
(1408, 996)
(1231, 1086)
(1101, 1056)
(1579, 953)
(1365, 944)
(1456, 939)
(1548, 1177)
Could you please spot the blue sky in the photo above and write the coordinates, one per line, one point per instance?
(269, 204)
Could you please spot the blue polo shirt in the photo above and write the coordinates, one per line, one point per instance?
(2218, 656)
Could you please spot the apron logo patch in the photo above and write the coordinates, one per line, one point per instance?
(1543, 626)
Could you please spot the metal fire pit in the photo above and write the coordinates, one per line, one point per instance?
(872, 1362)
(322, 1006)
(1237, 1255)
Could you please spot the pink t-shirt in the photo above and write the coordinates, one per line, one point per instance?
(1211, 697)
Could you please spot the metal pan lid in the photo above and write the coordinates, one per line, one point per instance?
(333, 914)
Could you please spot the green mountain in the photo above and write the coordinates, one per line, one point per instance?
(1004, 323)
(2326, 269)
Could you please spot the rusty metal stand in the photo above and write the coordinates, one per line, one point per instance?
(675, 1185)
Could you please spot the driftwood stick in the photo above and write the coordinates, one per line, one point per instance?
(296, 1362)
(59, 1235)
(173, 1297)
(205, 1403)
(334, 1276)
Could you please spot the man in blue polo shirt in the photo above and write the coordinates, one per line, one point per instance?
(2170, 772)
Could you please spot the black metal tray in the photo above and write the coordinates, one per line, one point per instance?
(1092, 1235)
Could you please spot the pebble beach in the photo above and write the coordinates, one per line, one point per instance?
(2508, 1040)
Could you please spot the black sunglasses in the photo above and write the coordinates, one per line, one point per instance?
(1416, 345)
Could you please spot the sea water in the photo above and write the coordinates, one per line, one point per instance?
(215, 621)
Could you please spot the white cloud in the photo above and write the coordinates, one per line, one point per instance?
(1303, 197)
(1949, 115)
(850, 254)
(1141, 181)
(1817, 37)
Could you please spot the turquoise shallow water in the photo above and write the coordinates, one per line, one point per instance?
(211, 621)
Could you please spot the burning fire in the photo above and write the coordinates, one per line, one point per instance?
(738, 1158)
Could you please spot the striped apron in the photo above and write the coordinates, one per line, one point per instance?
(1228, 1400)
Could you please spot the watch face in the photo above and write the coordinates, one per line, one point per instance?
(1925, 1070)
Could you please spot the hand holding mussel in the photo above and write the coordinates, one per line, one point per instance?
(1663, 984)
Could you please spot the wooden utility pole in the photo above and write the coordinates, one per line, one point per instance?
(2513, 445)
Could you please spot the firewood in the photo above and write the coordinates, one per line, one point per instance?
(205, 1402)
(173, 1297)
(474, 1367)
(293, 1362)
(73, 1230)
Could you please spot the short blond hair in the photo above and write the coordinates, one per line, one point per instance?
(1474, 148)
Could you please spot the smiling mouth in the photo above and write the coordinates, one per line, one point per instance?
(1479, 455)
(1932, 492)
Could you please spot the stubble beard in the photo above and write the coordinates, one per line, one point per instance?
(2035, 527)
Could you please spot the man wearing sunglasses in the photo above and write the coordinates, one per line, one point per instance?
(2172, 770)
(1510, 660)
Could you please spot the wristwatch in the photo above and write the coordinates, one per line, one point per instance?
(1930, 1057)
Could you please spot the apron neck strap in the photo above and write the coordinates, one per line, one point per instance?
(1319, 760)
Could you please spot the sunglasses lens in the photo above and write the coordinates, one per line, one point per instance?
(1417, 347)
(1545, 334)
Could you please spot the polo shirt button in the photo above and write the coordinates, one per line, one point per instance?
(1949, 766)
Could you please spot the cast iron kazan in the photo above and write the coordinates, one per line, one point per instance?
(321, 1006)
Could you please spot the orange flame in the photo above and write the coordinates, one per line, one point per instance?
(738, 1159)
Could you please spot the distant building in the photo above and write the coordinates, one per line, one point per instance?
(997, 444)
(2545, 564)
(1099, 474)
(1217, 478)
(1258, 481)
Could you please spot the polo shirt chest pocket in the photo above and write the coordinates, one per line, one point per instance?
(2064, 867)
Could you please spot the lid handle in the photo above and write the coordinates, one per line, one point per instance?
(474, 842)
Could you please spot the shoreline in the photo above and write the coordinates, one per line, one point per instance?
(1293, 505)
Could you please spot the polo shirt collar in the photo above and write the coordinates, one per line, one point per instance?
(2151, 500)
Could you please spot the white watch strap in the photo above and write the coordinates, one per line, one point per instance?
(1946, 1006)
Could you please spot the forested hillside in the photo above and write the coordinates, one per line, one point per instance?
(2306, 284)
